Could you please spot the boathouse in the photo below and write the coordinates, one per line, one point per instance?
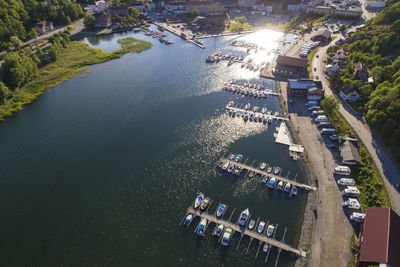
(288, 65)
(322, 36)
(304, 87)
(380, 238)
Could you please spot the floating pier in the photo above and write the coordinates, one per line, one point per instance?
(240, 111)
(262, 173)
(178, 33)
(157, 35)
(244, 231)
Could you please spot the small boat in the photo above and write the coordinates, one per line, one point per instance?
(346, 181)
(263, 165)
(188, 219)
(264, 179)
(230, 168)
(221, 210)
(244, 216)
(264, 110)
(271, 183)
(270, 230)
(237, 171)
(204, 204)
(220, 164)
(351, 191)
(261, 227)
(265, 120)
(287, 187)
(357, 217)
(269, 169)
(252, 223)
(352, 203)
(248, 105)
(232, 156)
(238, 157)
(277, 170)
(266, 247)
(230, 104)
(276, 114)
(269, 120)
(219, 230)
(279, 186)
(198, 200)
(202, 227)
(294, 191)
(251, 174)
(226, 237)
(225, 166)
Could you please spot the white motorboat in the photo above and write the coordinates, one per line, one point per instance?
(238, 157)
(202, 227)
(277, 170)
(231, 156)
(261, 227)
(221, 210)
(269, 120)
(237, 171)
(280, 186)
(346, 181)
(251, 174)
(244, 216)
(271, 183)
(225, 166)
(188, 219)
(270, 230)
(357, 217)
(252, 223)
(264, 110)
(226, 237)
(287, 187)
(294, 191)
(351, 191)
(219, 230)
(264, 179)
(198, 200)
(344, 170)
(269, 169)
(230, 168)
(266, 247)
(352, 203)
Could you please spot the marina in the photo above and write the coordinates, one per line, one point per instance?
(160, 36)
(249, 168)
(247, 114)
(244, 231)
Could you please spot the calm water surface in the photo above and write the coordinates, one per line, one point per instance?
(100, 170)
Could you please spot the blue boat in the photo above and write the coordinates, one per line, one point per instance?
(271, 183)
(221, 210)
(202, 227)
(244, 217)
(188, 219)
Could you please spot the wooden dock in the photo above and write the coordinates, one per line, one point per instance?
(243, 111)
(177, 32)
(262, 173)
(245, 231)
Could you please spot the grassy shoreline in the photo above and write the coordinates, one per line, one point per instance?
(72, 60)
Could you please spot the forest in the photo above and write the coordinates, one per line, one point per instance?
(377, 46)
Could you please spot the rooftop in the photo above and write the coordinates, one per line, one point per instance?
(291, 61)
(350, 152)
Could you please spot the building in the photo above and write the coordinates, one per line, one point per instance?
(246, 3)
(375, 5)
(322, 36)
(361, 72)
(349, 153)
(100, 6)
(175, 7)
(289, 65)
(208, 23)
(295, 7)
(119, 11)
(206, 8)
(348, 93)
(44, 27)
(379, 238)
(304, 87)
(103, 20)
(334, 11)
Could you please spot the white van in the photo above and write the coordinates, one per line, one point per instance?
(321, 118)
(312, 103)
(314, 108)
(344, 170)
(328, 131)
(317, 112)
(314, 98)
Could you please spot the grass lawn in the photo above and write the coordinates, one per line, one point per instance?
(236, 27)
(71, 61)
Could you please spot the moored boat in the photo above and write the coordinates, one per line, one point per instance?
(263, 165)
(280, 186)
(226, 237)
(266, 247)
(287, 187)
(269, 169)
(294, 190)
(277, 169)
(237, 171)
(264, 179)
(188, 219)
(230, 168)
(270, 230)
(231, 156)
(202, 227)
(357, 217)
(238, 157)
(252, 223)
(271, 183)
(198, 200)
(251, 174)
(221, 210)
(219, 230)
(261, 227)
(204, 204)
(244, 216)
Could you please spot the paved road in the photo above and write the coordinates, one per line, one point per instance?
(386, 166)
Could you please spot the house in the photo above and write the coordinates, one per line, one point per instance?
(288, 65)
(295, 7)
(206, 8)
(322, 36)
(361, 72)
(347, 93)
(349, 153)
(375, 5)
(379, 238)
(208, 23)
(44, 27)
(175, 7)
(304, 87)
(119, 11)
(246, 3)
(334, 11)
(100, 6)
(103, 19)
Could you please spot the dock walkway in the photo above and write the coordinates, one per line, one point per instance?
(251, 234)
(256, 170)
(259, 113)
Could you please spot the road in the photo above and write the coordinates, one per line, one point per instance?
(386, 166)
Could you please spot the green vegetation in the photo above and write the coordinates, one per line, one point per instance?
(17, 17)
(71, 60)
(330, 104)
(377, 47)
(366, 174)
(239, 24)
(310, 58)
(195, 13)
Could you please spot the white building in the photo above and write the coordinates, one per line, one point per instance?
(100, 6)
(348, 93)
(373, 4)
(176, 7)
(295, 7)
(246, 3)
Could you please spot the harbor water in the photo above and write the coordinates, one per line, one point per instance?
(99, 170)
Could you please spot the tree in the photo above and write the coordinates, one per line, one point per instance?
(195, 13)
(330, 104)
(116, 2)
(240, 20)
(33, 33)
(133, 12)
(17, 43)
(4, 92)
(89, 21)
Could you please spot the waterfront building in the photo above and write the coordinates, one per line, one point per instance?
(379, 238)
(289, 65)
(304, 87)
(334, 11)
(322, 36)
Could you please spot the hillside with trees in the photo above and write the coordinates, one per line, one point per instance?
(377, 47)
(18, 17)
